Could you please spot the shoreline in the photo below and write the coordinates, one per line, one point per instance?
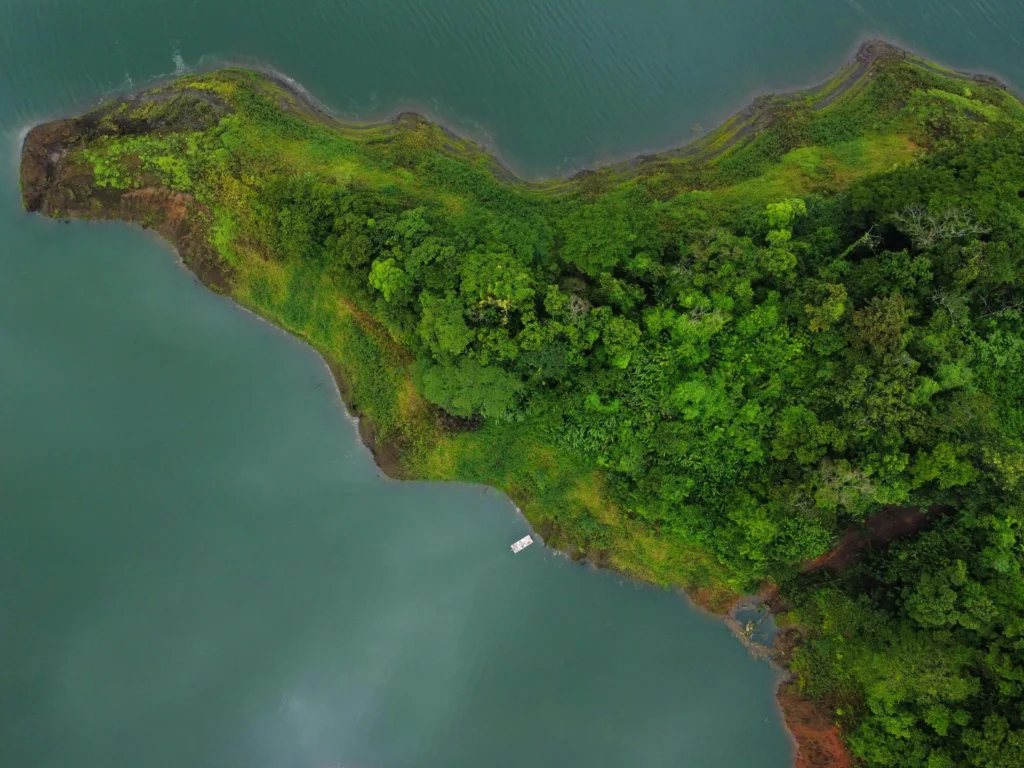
(631, 156)
(173, 215)
(183, 233)
(728, 133)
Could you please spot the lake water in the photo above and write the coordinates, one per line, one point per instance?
(200, 566)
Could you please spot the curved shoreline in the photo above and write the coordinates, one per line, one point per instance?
(508, 173)
(729, 133)
(190, 240)
(865, 42)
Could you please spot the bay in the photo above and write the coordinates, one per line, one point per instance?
(199, 564)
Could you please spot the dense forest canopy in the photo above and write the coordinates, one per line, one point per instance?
(700, 368)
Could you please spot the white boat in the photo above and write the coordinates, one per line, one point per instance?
(522, 544)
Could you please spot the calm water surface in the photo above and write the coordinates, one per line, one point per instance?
(200, 566)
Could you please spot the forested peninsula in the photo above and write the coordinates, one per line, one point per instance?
(705, 368)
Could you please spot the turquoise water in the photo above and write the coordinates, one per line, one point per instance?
(199, 564)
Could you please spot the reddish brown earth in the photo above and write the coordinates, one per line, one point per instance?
(713, 600)
(55, 187)
(818, 741)
(876, 533)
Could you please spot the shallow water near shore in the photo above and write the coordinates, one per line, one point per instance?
(199, 563)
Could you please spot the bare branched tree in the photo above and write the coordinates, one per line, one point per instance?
(698, 313)
(681, 270)
(1004, 306)
(578, 305)
(956, 306)
(842, 485)
(871, 240)
(926, 229)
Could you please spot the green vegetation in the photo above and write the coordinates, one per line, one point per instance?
(699, 369)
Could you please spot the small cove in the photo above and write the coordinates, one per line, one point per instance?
(243, 587)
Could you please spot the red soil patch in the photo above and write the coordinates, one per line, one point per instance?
(715, 601)
(876, 533)
(817, 738)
